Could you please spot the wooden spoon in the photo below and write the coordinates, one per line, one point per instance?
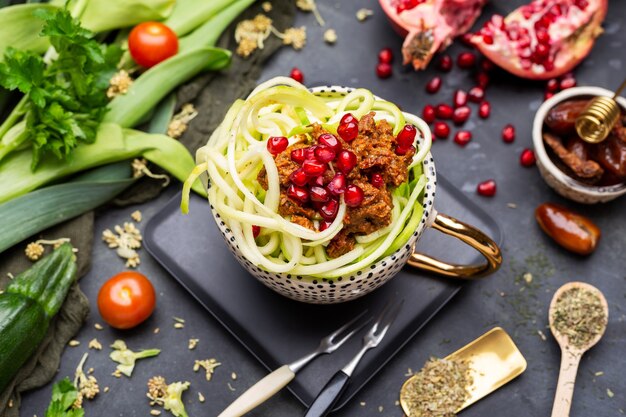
(570, 355)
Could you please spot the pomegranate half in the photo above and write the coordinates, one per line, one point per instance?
(543, 39)
(429, 26)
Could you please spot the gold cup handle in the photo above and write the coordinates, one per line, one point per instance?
(467, 234)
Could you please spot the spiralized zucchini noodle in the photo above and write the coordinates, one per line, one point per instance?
(237, 151)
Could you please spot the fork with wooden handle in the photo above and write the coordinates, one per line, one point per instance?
(278, 379)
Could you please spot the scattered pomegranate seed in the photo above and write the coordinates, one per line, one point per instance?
(429, 113)
(297, 75)
(377, 180)
(406, 137)
(441, 130)
(348, 131)
(484, 110)
(508, 133)
(567, 82)
(256, 230)
(346, 160)
(347, 118)
(527, 158)
(445, 63)
(299, 177)
(461, 114)
(462, 137)
(466, 39)
(298, 155)
(324, 225)
(313, 168)
(482, 79)
(354, 196)
(385, 55)
(297, 193)
(324, 153)
(338, 184)
(329, 210)
(486, 65)
(383, 70)
(486, 188)
(403, 150)
(444, 111)
(466, 60)
(547, 95)
(460, 98)
(319, 194)
(277, 144)
(329, 140)
(476, 94)
(433, 85)
(552, 85)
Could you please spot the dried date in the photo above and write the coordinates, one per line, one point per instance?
(561, 119)
(574, 232)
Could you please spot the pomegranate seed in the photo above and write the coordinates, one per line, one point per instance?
(460, 98)
(277, 144)
(548, 65)
(256, 230)
(309, 152)
(319, 181)
(377, 180)
(444, 111)
(466, 39)
(441, 130)
(581, 4)
(319, 194)
(488, 39)
(354, 196)
(428, 113)
(406, 137)
(347, 118)
(527, 158)
(543, 36)
(346, 160)
(567, 82)
(486, 188)
(476, 94)
(297, 193)
(461, 114)
(526, 64)
(552, 85)
(324, 153)
(486, 65)
(338, 184)
(462, 137)
(297, 75)
(498, 21)
(547, 95)
(298, 155)
(313, 168)
(541, 52)
(445, 63)
(484, 110)
(329, 210)
(466, 60)
(324, 225)
(348, 131)
(482, 79)
(383, 70)
(299, 177)
(433, 85)
(385, 56)
(508, 133)
(403, 150)
(527, 13)
(329, 140)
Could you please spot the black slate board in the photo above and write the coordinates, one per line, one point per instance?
(277, 330)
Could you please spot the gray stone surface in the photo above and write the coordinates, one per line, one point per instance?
(503, 299)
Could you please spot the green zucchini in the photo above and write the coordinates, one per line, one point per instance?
(27, 306)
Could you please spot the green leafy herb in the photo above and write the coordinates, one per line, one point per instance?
(64, 394)
(65, 91)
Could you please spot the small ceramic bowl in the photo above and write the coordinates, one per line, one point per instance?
(562, 183)
(345, 288)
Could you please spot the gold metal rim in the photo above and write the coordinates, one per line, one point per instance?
(469, 235)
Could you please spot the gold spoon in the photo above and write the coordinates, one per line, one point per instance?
(596, 121)
(494, 360)
(570, 355)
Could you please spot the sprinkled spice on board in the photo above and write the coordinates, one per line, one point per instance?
(439, 389)
(579, 315)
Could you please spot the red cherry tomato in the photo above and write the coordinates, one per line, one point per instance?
(126, 300)
(152, 42)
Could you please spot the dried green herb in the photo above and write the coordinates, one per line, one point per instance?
(579, 315)
(438, 390)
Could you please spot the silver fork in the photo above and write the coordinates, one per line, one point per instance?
(333, 389)
(278, 379)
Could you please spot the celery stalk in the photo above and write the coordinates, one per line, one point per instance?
(20, 29)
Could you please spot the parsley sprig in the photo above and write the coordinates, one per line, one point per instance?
(64, 395)
(65, 91)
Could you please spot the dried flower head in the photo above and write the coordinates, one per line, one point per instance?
(250, 34)
(330, 36)
(87, 386)
(296, 37)
(136, 216)
(209, 366)
(34, 251)
(363, 14)
(157, 388)
(180, 121)
(140, 168)
(266, 6)
(126, 240)
(95, 344)
(119, 84)
(310, 6)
